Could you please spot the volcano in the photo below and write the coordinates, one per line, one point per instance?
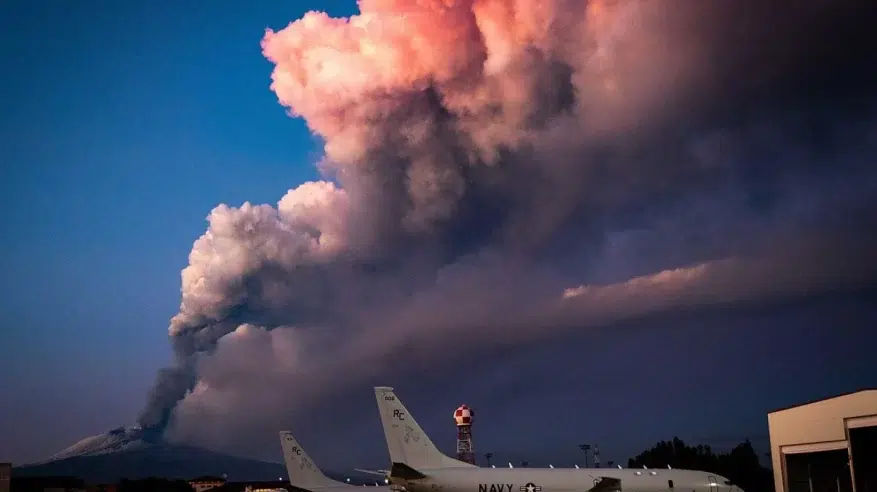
(115, 441)
(132, 452)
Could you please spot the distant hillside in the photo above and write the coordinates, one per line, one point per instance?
(155, 460)
(131, 452)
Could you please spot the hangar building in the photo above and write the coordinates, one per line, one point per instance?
(5, 476)
(826, 446)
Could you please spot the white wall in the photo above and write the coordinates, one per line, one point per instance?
(202, 486)
(813, 423)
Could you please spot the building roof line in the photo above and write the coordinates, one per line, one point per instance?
(848, 393)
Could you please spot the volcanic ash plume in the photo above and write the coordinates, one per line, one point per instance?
(484, 156)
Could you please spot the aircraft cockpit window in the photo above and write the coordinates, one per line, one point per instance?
(713, 482)
(728, 482)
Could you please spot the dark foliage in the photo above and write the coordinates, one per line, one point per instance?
(153, 484)
(39, 484)
(740, 465)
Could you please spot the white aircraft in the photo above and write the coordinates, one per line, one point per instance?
(418, 466)
(303, 473)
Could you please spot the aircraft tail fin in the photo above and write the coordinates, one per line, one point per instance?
(303, 473)
(407, 443)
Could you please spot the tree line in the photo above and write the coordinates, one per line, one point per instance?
(154, 484)
(741, 465)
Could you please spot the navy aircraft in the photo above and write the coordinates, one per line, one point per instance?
(418, 466)
(303, 473)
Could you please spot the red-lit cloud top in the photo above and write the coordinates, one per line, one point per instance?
(510, 167)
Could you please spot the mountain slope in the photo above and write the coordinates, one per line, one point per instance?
(155, 460)
(131, 452)
(116, 440)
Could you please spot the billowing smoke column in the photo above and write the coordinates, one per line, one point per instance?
(488, 154)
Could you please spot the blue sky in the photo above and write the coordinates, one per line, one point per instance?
(124, 124)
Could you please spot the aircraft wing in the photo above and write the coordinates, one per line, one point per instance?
(382, 473)
(606, 484)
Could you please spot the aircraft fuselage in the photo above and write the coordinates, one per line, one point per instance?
(564, 480)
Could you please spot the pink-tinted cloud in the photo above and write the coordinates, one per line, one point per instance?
(512, 168)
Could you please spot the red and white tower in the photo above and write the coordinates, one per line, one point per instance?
(463, 417)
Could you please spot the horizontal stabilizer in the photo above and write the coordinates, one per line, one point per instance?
(606, 484)
(405, 472)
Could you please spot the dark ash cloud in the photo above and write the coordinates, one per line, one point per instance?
(496, 170)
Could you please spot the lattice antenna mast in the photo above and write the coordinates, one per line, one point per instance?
(463, 417)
